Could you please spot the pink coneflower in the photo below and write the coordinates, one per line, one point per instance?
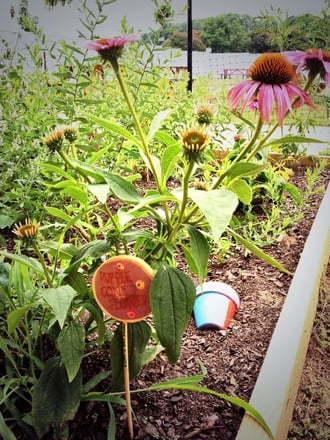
(271, 82)
(314, 61)
(110, 49)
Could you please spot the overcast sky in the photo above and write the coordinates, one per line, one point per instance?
(64, 21)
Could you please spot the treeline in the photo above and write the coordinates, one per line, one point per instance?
(242, 33)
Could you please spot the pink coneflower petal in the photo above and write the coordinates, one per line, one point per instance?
(110, 49)
(266, 101)
(314, 61)
(271, 85)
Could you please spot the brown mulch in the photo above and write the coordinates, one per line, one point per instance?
(232, 358)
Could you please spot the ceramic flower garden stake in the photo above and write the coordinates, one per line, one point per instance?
(121, 287)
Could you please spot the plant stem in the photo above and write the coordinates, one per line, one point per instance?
(43, 264)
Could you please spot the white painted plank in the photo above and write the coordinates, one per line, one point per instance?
(276, 388)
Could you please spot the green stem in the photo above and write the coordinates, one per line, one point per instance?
(69, 162)
(140, 131)
(130, 105)
(43, 264)
(185, 187)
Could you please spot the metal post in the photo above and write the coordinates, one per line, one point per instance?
(189, 46)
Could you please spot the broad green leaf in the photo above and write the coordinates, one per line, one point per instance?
(27, 261)
(5, 431)
(172, 297)
(244, 169)
(123, 189)
(293, 139)
(293, 191)
(66, 251)
(15, 317)
(4, 277)
(168, 161)
(243, 190)
(55, 212)
(234, 400)
(94, 249)
(59, 299)
(6, 221)
(71, 344)
(199, 251)
(258, 252)
(76, 193)
(55, 400)
(157, 122)
(138, 336)
(100, 191)
(78, 282)
(97, 314)
(114, 128)
(154, 199)
(217, 205)
(57, 170)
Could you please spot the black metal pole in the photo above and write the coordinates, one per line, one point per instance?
(189, 46)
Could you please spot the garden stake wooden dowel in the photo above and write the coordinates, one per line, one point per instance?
(121, 287)
(126, 381)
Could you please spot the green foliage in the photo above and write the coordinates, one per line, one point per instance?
(92, 203)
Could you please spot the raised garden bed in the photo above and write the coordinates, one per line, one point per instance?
(233, 358)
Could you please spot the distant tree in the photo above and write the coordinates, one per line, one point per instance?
(179, 40)
(225, 33)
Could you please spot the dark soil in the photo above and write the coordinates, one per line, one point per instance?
(232, 357)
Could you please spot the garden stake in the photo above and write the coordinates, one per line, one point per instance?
(126, 381)
(121, 287)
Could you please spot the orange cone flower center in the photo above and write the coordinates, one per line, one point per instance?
(272, 68)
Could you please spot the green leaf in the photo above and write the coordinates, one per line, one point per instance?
(244, 169)
(4, 277)
(293, 139)
(66, 251)
(168, 162)
(242, 190)
(71, 344)
(27, 261)
(5, 431)
(199, 251)
(6, 221)
(258, 252)
(293, 191)
(55, 212)
(15, 317)
(123, 189)
(234, 400)
(157, 122)
(217, 205)
(138, 336)
(59, 299)
(100, 191)
(76, 193)
(114, 128)
(154, 199)
(172, 297)
(77, 281)
(56, 170)
(55, 400)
